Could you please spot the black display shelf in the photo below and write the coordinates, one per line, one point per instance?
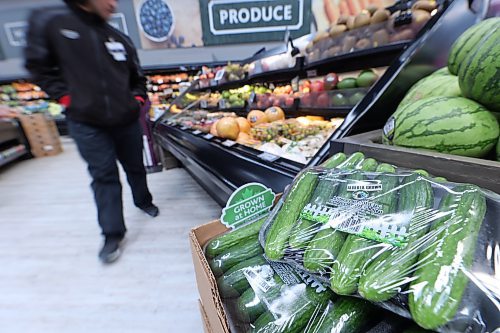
(356, 60)
(220, 169)
(13, 157)
(332, 112)
(223, 86)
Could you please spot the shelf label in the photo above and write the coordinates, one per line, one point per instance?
(228, 143)
(222, 103)
(203, 104)
(295, 84)
(220, 74)
(168, 91)
(268, 157)
(208, 136)
(197, 132)
(248, 203)
(183, 128)
(312, 73)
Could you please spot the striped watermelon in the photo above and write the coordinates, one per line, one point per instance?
(467, 42)
(479, 72)
(437, 84)
(453, 125)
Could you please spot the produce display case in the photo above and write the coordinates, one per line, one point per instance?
(13, 144)
(221, 165)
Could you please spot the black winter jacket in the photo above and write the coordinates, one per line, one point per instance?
(76, 53)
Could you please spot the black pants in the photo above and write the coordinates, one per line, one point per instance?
(100, 148)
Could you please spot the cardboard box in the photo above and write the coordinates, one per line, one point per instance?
(461, 169)
(204, 318)
(207, 285)
(41, 131)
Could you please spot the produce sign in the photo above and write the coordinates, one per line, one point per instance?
(230, 21)
(248, 203)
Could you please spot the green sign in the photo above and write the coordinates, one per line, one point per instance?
(248, 203)
(247, 21)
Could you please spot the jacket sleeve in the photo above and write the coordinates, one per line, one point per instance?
(137, 78)
(41, 61)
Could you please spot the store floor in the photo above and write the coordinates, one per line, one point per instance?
(50, 277)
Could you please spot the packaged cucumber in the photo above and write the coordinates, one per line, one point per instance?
(419, 246)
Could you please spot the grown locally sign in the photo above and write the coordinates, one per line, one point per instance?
(240, 21)
(248, 203)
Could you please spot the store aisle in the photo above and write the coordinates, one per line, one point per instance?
(50, 277)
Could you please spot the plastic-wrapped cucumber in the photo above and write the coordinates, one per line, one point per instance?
(346, 315)
(248, 248)
(439, 281)
(284, 221)
(251, 305)
(388, 274)
(292, 312)
(358, 252)
(325, 246)
(222, 243)
(234, 282)
(334, 161)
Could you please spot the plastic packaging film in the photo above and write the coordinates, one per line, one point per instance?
(419, 246)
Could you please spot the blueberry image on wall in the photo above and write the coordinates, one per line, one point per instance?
(156, 20)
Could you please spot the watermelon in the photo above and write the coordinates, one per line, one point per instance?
(479, 72)
(453, 125)
(442, 71)
(467, 42)
(437, 84)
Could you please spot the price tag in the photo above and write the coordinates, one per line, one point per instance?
(168, 91)
(268, 157)
(295, 84)
(222, 103)
(252, 97)
(220, 74)
(203, 104)
(312, 73)
(183, 128)
(208, 136)
(197, 132)
(228, 143)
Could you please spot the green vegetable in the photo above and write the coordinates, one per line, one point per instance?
(334, 161)
(285, 219)
(352, 161)
(222, 243)
(389, 273)
(234, 282)
(347, 83)
(323, 249)
(251, 305)
(440, 280)
(248, 248)
(357, 252)
(347, 315)
(295, 311)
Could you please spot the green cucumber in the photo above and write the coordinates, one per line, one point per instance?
(248, 248)
(436, 296)
(324, 248)
(334, 161)
(440, 179)
(222, 243)
(358, 252)
(346, 315)
(352, 161)
(251, 305)
(295, 310)
(234, 282)
(285, 219)
(389, 273)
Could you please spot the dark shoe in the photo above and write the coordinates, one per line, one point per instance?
(111, 249)
(151, 210)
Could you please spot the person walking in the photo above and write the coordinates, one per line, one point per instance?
(93, 70)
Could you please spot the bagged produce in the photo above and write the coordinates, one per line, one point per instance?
(260, 296)
(421, 247)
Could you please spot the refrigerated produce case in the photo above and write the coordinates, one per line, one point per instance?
(222, 165)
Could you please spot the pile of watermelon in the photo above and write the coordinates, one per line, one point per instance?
(455, 110)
